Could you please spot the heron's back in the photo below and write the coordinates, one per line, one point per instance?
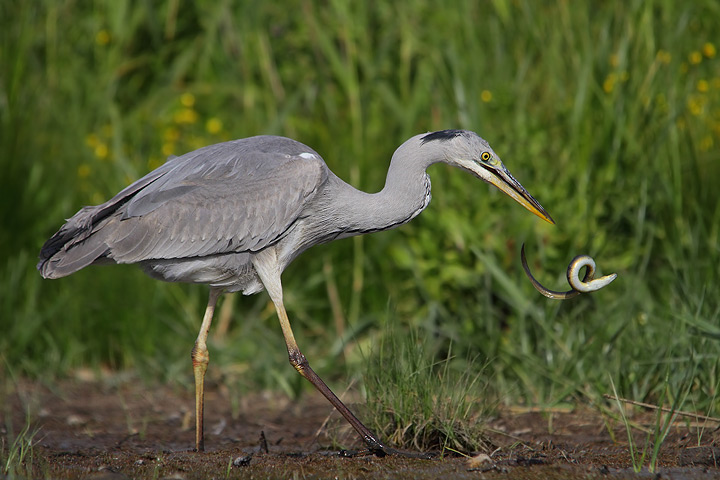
(198, 217)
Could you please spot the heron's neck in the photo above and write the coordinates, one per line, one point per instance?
(405, 194)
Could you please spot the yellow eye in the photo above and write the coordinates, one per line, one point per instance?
(485, 156)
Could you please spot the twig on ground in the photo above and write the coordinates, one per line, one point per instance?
(663, 409)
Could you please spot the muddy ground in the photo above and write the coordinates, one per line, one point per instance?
(125, 429)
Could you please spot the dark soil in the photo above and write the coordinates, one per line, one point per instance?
(125, 429)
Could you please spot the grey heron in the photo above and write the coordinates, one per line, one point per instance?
(235, 214)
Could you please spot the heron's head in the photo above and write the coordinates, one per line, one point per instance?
(465, 149)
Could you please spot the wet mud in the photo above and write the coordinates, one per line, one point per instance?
(127, 429)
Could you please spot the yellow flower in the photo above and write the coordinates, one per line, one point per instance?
(213, 125)
(187, 99)
(91, 140)
(709, 50)
(663, 56)
(168, 149)
(695, 57)
(102, 37)
(186, 115)
(703, 86)
(171, 134)
(101, 150)
(609, 83)
(695, 105)
(486, 96)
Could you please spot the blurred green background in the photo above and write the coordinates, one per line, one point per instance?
(607, 112)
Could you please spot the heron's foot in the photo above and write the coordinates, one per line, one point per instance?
(379, 450)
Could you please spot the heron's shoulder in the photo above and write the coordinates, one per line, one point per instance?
(271, 145)
(251, 154)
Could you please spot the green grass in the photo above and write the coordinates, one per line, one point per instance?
(608, 113)
(424, 403)
(654, 438)
(17, 456)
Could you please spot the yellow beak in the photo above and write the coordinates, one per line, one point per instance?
(501, 178)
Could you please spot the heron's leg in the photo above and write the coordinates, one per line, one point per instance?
(200, 360)
(298, 360)
(266, 266)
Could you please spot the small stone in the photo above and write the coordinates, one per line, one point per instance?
(75, 420)
(242, 461)
(478, 461)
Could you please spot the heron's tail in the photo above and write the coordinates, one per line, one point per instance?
(76, 245)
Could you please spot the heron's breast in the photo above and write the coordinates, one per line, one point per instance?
(234, 271)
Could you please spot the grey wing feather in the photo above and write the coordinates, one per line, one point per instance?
(232, 212)
(80, 227)
(231, 197)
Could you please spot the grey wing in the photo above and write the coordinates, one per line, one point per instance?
(237, 196)
(79, 227)
(239, 206)
(54, 259)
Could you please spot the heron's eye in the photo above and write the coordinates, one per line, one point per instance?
(485, 156)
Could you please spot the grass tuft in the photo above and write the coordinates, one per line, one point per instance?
(417, 402)
(17, 454)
